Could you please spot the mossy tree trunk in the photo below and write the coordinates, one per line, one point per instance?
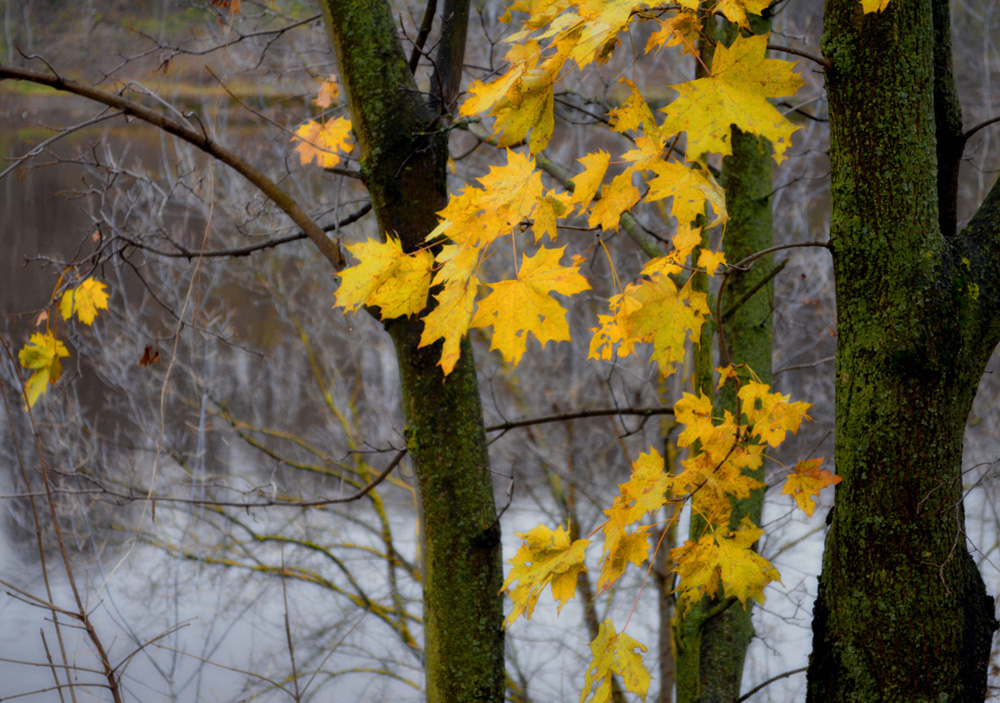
(902, 613)
(404, 152)
(713, 637)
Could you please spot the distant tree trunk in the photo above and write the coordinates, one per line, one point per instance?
(712, 639)
(902, 613)
(404, 152)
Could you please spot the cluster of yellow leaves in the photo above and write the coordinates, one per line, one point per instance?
(661, 308)
(473, 222)
(722, 451)
(43, 352)
(721, 562)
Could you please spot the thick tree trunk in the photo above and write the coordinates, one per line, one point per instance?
(404, 152)
(902, 613)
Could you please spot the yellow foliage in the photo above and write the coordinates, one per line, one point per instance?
(450, 318)
(869, 6)
(726, 560)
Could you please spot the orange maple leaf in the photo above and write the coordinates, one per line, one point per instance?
(323, 143)
(806, 482)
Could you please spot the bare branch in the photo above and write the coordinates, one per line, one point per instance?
(201, 140)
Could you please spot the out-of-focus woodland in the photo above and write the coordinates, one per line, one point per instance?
(221, 377)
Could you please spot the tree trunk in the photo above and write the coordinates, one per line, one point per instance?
(714, 636)
(902, 612)
(404, 152)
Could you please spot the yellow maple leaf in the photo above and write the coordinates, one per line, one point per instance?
(521, 100)
(644, 492)
(545, 558)
(633, 114)
(735, 94)
(771, 415)
(524, 305)
(726, 560)
(667, 318)
(386, 277)
(691, 189)
(450, 318)
(614, 653)
(711, 260)
(41, 355)
(621, 549)
(84, 300)
(587, 183)
(323, 143)
(806, 482)
(479, 216)
(618, 197)
(651, 311)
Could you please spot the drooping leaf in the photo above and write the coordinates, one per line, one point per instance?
(806, 482)
(42, 355)
(450, 318)
(633, 114)
(545, 558)
(614, 654)
(588, 182)
(84, 301)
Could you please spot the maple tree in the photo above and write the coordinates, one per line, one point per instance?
(427, 278)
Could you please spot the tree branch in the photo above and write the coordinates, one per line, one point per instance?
(201, 140)
(185, 253)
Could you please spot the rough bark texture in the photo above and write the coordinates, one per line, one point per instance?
(404, 152)
(902, 613)
(712, 639)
